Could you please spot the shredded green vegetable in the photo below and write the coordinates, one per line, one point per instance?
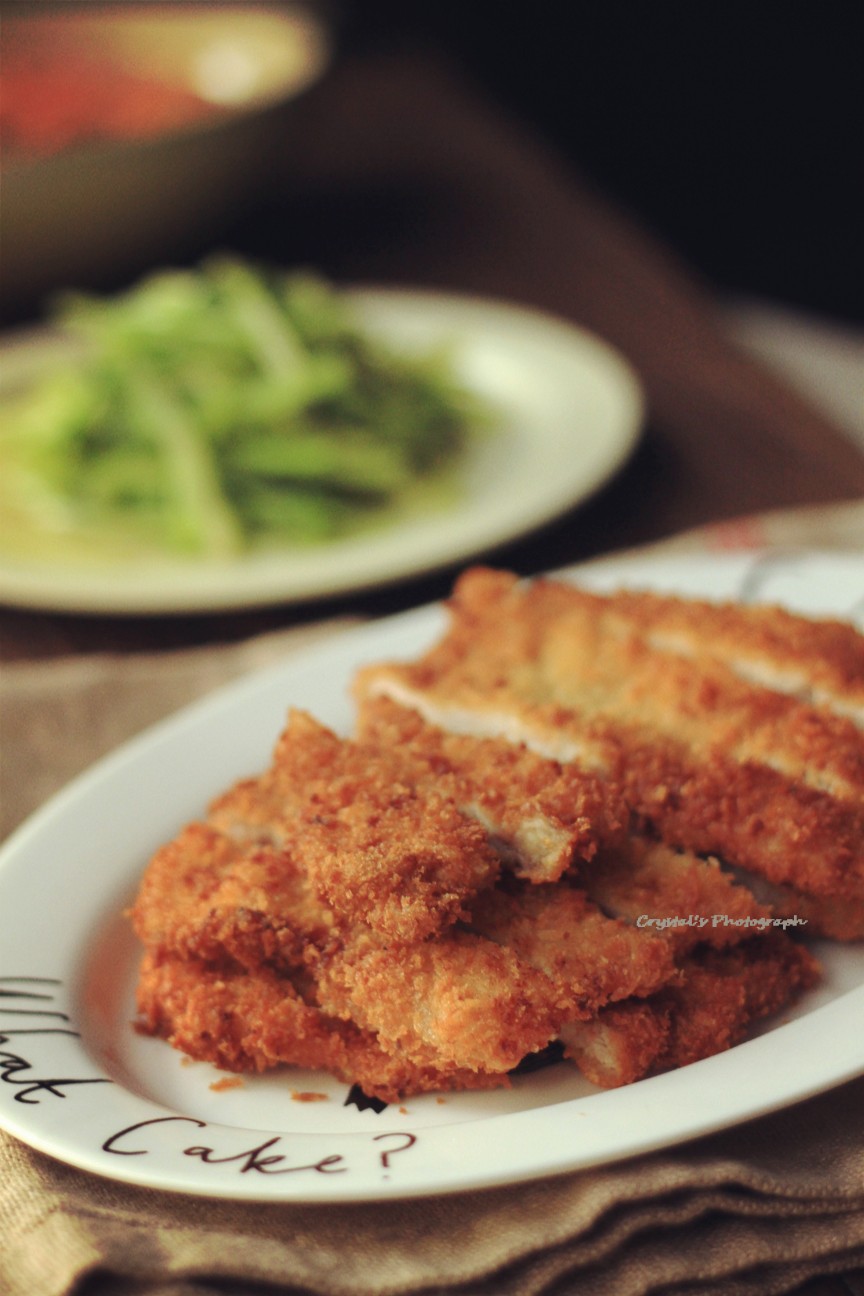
(214, 410)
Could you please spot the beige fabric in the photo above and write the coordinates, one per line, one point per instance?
(58, 717)
(787, 1192)
(757, 1209)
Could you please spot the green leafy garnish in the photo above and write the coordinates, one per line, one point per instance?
(207, 412)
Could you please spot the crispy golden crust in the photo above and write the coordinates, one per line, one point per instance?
(377, 847)
(206, 896)
(834, 917)
(714, 763)
(591, 959)
(458, 1000)
(253, 1021)
(620, 1045)
(374, 843)
(547, 817)
(816, 661)
(723, 992)
(752, 817)
(718, 997)
(541, 815)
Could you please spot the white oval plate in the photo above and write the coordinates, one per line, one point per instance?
(570, 413)
(77, 1082)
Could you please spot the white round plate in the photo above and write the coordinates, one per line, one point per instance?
(77, 1081)
(568, 415)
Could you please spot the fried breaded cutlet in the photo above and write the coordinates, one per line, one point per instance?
(329, 842)
(719, 995)
(205, 896)
(376, 846)
(592, 959)
(543, 831)
(549, 820)
(688, 900)
(341, 883)
(542, 816)
(768, 780)
(456, 1000)
(819, 662)
(247, 1021)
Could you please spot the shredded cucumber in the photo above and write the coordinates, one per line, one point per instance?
(213, 410)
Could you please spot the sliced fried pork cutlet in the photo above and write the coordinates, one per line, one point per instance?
(247, 1021)
(713, 762)
(548, 817)
(206, 896)
(754, 818)
(375, 845)
(574, 822)
(454, 1001)
(540, 814)
(331, 836)
(621, 1044)
(689, 900)
(720, 994)
(819, 662)
(837, 918)
(350, 843)
(591, 959)
(723, 992)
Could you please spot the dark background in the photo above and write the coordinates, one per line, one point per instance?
(733, 131)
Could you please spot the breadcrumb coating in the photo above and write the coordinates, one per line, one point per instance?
(374, 845)
(245, 1021)
(687, 899)
(460, 999)
(577, 819)
(718, 997)
(542, 815)
(819, 662)
(710, 761)
(591, 959)
(205, 896)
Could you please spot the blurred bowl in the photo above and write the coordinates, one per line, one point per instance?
(99, 209)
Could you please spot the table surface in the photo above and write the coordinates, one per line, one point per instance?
(415, 179)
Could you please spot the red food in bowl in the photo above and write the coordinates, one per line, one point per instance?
(52, 101)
